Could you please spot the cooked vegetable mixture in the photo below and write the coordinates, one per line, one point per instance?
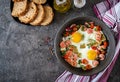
(83, 46)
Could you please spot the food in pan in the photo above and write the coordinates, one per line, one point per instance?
(83, 45)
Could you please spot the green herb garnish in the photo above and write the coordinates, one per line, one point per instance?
(79, 61)
(83, 67)
(82, 46)
(82, 27)
(79, 55)
(78, 26)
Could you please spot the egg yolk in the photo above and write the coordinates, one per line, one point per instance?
(76, 37)
(91, 55)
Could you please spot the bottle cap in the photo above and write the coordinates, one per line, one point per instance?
(79, 3)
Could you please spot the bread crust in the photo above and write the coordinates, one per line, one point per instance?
(30, 14)
(19, 8)
(48, 16)
(39, 17)
(39, 1)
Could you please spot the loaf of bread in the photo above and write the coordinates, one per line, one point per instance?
(39, 17)
(39, 1)
(30, 14)
(19, 8)
(48, 16)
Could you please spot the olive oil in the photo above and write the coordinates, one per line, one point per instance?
(62, 6)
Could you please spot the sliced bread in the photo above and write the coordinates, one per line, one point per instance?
(39, 16)
(30, 14)
(19, 8)
(39, 1)
(48, 16)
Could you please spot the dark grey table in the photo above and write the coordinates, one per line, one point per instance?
(25, 51)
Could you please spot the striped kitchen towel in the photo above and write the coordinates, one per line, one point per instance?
(109, 12)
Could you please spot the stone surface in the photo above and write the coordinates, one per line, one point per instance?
(25, 54)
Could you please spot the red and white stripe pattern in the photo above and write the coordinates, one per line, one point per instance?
(109, 12)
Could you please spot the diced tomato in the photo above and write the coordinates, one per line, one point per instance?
(71, 59)
(72, 32)
(89, 30)
(94, 47)
(62, 44)
(75, 57)
(91, 25)
(84, 61)
(68, 60)
(95, 63)
(68, 42)
(74, 28)
(74, 63)
(104, 47)
(88, 67)
(98, 28)
(68, 54)
(105, 44)
(67, 34)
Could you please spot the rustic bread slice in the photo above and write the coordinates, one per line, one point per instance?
(19, 8)
(48, 16)
(30, 14)
(39, 16)
(39, 1)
